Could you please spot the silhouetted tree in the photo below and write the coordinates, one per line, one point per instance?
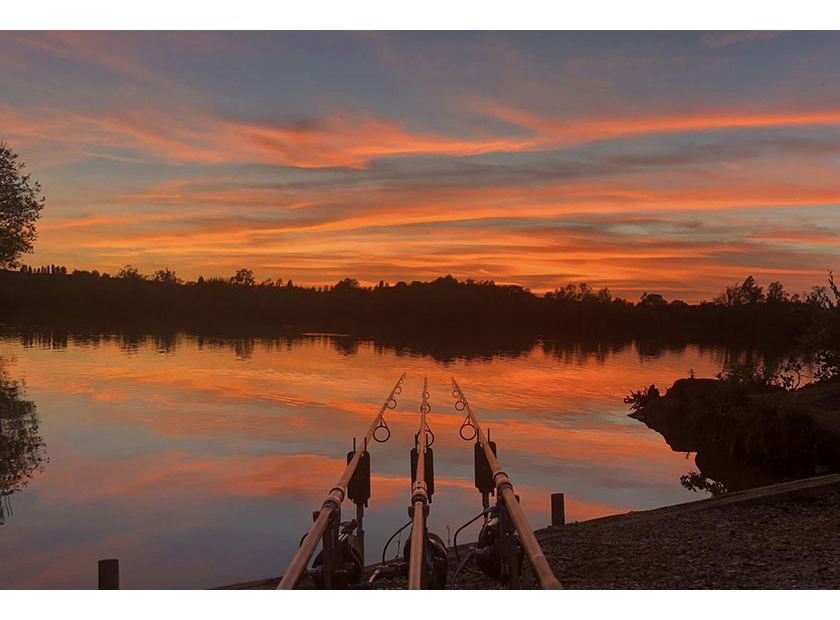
(165, 275)
(20, 207)
(576, 292)
(746, 293)
(823, 338)
(604, 296)
(652, 299)
(776, 293)
(244, 277)
(130, 272)
(751, 293)
(346, 283)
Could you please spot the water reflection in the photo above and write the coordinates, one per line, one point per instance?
(197, 460)
(22, 451)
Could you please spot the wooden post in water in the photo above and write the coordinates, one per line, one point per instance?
(558, 509)
(109, 574)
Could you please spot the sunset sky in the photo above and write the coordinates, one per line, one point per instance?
(676, 162)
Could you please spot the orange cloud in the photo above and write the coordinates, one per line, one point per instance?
(351, 140)
(579, 230)
(343, 140)
(569, 131)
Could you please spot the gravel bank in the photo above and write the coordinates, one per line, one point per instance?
(784, 545)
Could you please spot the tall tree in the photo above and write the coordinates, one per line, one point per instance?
(244, 276)
(20, 206)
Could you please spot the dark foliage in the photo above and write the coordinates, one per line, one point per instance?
(695, 481)
(20, 207)
(642, 397)
(822, 340)
(745, 416)
(21, 448)
(51, 297)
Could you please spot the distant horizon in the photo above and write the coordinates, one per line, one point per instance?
(616, 293)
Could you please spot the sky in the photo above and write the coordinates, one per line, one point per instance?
(675, 162)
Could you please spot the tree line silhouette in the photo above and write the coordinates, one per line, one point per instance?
(52, 296)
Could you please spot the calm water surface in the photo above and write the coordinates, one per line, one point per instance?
(198, 463)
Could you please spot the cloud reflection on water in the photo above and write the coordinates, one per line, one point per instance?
(197, 465)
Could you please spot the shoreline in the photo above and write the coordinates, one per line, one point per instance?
(780, 536)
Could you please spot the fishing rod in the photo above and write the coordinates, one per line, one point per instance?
(505, 530)
(424, 558)
(427, 558)
(341, 561)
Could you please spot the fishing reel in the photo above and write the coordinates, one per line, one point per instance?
(499, 553)
(435, 561)
(347, 560)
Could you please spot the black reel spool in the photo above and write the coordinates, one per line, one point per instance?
(492, 552)
(349, 559)
(435, 561)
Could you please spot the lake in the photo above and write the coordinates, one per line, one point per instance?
(198, 462)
